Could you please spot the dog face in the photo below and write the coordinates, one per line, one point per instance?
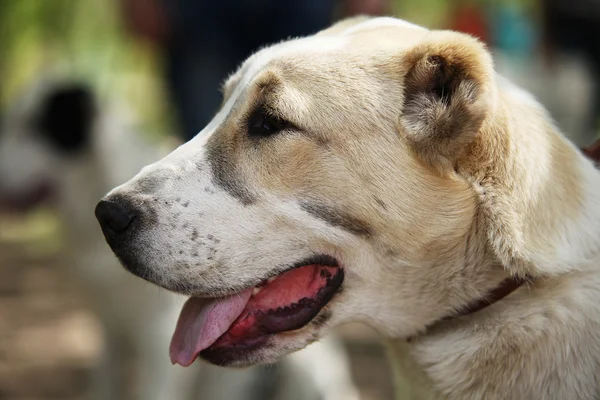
(41, 135)
(325, 190)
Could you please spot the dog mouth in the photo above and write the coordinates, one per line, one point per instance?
(221, 330)
(28, 199)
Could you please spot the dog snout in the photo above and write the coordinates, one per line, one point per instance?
(115, 217)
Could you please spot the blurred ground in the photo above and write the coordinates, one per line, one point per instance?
(48, 341)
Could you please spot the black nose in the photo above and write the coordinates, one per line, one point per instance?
(114, 217)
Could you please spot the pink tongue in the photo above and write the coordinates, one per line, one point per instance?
(201, 323)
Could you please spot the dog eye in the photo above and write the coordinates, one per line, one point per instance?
(264, 124)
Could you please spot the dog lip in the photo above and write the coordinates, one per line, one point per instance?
(319, 259)
(251, 331)
(225, 356)
(286, 303)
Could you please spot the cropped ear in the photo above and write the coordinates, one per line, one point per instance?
(447, 84)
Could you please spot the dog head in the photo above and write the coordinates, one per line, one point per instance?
(350, 176)
(45, 130)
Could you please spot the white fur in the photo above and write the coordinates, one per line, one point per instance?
(383, 22)
(137, 318)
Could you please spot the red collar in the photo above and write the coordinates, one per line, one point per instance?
(505, 288)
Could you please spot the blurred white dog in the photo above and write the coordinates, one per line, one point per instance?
(56, 144)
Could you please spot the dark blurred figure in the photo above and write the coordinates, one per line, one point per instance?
(204, 41)
(574, 26)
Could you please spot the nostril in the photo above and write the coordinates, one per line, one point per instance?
(115, 217)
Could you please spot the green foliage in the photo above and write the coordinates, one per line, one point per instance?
(83, 40)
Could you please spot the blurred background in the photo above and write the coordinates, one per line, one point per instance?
(158, 65)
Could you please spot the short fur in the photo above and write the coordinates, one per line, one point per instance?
(58, 134)
(461, 178)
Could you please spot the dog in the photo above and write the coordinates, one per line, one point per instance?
(379, 172)
(59, 145)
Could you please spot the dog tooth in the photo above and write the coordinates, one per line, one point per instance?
(271, 280)
(256, 291)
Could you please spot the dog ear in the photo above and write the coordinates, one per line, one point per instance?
(537, 195)
(501, 142)
(446, 94)
(66, 117)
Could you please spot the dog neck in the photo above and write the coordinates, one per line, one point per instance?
(506, 287)
(512, 283)
(472, 354)
(513, 347)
